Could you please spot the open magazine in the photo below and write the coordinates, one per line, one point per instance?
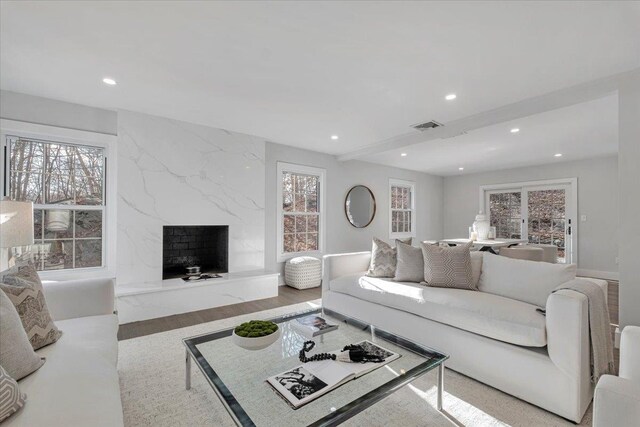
(311, 380)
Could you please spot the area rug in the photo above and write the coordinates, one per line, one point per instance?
(152, 370)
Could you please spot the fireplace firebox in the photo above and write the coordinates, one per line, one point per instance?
(206, 246)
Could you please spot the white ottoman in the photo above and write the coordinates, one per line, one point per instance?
(303, 272)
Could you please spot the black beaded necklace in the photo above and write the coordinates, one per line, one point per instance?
(308, 346)
(350, 353)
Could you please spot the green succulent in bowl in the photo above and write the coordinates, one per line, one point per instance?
(255, 329)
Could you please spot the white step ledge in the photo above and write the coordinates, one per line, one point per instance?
(151, 300)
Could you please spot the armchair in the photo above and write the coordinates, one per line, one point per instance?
(617, 399)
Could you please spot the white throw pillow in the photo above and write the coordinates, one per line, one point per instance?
(410, 263)
(528, 281)
(476, 267)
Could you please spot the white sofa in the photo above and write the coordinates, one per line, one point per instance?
(617, 399)
(499, 341)
(78, 385)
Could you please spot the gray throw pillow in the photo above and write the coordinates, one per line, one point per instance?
(16, 354)
(410, 263)
(383, 258)
(448, 267)
(11, 399)
(24, 288)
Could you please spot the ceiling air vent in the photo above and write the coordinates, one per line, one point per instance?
(426, 126)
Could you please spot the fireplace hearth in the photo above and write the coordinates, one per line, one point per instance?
(206, 246)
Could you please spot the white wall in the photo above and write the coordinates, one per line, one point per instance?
(629, 164)
(597, 198)
(341, 176)
(172, 172)
(44, 111)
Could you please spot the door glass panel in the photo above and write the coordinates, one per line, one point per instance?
(547, 219)
(504, 214)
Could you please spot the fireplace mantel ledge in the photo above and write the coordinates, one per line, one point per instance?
(179, 284)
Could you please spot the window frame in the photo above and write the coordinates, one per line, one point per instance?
(411, 185)
(53, 134)
(571, 208)
(283, 167)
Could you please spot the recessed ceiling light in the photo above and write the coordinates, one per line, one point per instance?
(403, 154)
(450, 97)
(460, 169)
(515, 130)
(109, 81)
(557, 155)
(334, 137)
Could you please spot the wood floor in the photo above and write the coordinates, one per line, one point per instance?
(286, 296)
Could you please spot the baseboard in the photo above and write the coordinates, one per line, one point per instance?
(597, 274)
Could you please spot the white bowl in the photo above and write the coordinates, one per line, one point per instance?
(256, 343)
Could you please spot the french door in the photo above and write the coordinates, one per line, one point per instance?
(543, 214)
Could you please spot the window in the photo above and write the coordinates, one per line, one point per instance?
(65, 182)
(300, 206)
(504, 214)
(402, 209)
(541, 212)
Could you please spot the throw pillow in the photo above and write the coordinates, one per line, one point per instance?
(476, 267)
(23, 287)
(410, 263)
(383, 258)
(11, 399)
(16, 354)
(448, 267)
(528, 281)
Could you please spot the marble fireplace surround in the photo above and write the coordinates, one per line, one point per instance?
(171, 172)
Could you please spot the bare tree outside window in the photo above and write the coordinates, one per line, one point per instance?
(545, 212)
(505, 214)
(301, 215)
(402, 208)
(66, 184)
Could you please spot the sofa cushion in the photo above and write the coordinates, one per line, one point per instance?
(485, 314)
(11, 398)
(24, 288)
(16, 354)
(95, 334)
(410, 263)
(383, 258)
(448, 267)
(527, 281)
(79, 384)
(476, 267)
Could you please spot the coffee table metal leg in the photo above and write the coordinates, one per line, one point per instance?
(440, 386)
(188, 370)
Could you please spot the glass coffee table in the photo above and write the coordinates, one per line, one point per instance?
(238, 376)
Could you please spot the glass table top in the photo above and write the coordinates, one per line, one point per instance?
(238, 376)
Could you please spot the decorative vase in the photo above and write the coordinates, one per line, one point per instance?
(257, 343)
(481, 226)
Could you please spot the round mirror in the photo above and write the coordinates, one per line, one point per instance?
(360, 206)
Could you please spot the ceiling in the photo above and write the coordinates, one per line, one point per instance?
(298, 72)
(577, 132)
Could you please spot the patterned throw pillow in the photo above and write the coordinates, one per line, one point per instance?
(23, 287)
(410, 263)
(383, 258)
(448, 267)
(11, 399)
(16, 354)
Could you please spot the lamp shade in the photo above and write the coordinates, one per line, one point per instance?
(16, 223)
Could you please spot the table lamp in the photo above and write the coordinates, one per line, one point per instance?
(16, 227)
